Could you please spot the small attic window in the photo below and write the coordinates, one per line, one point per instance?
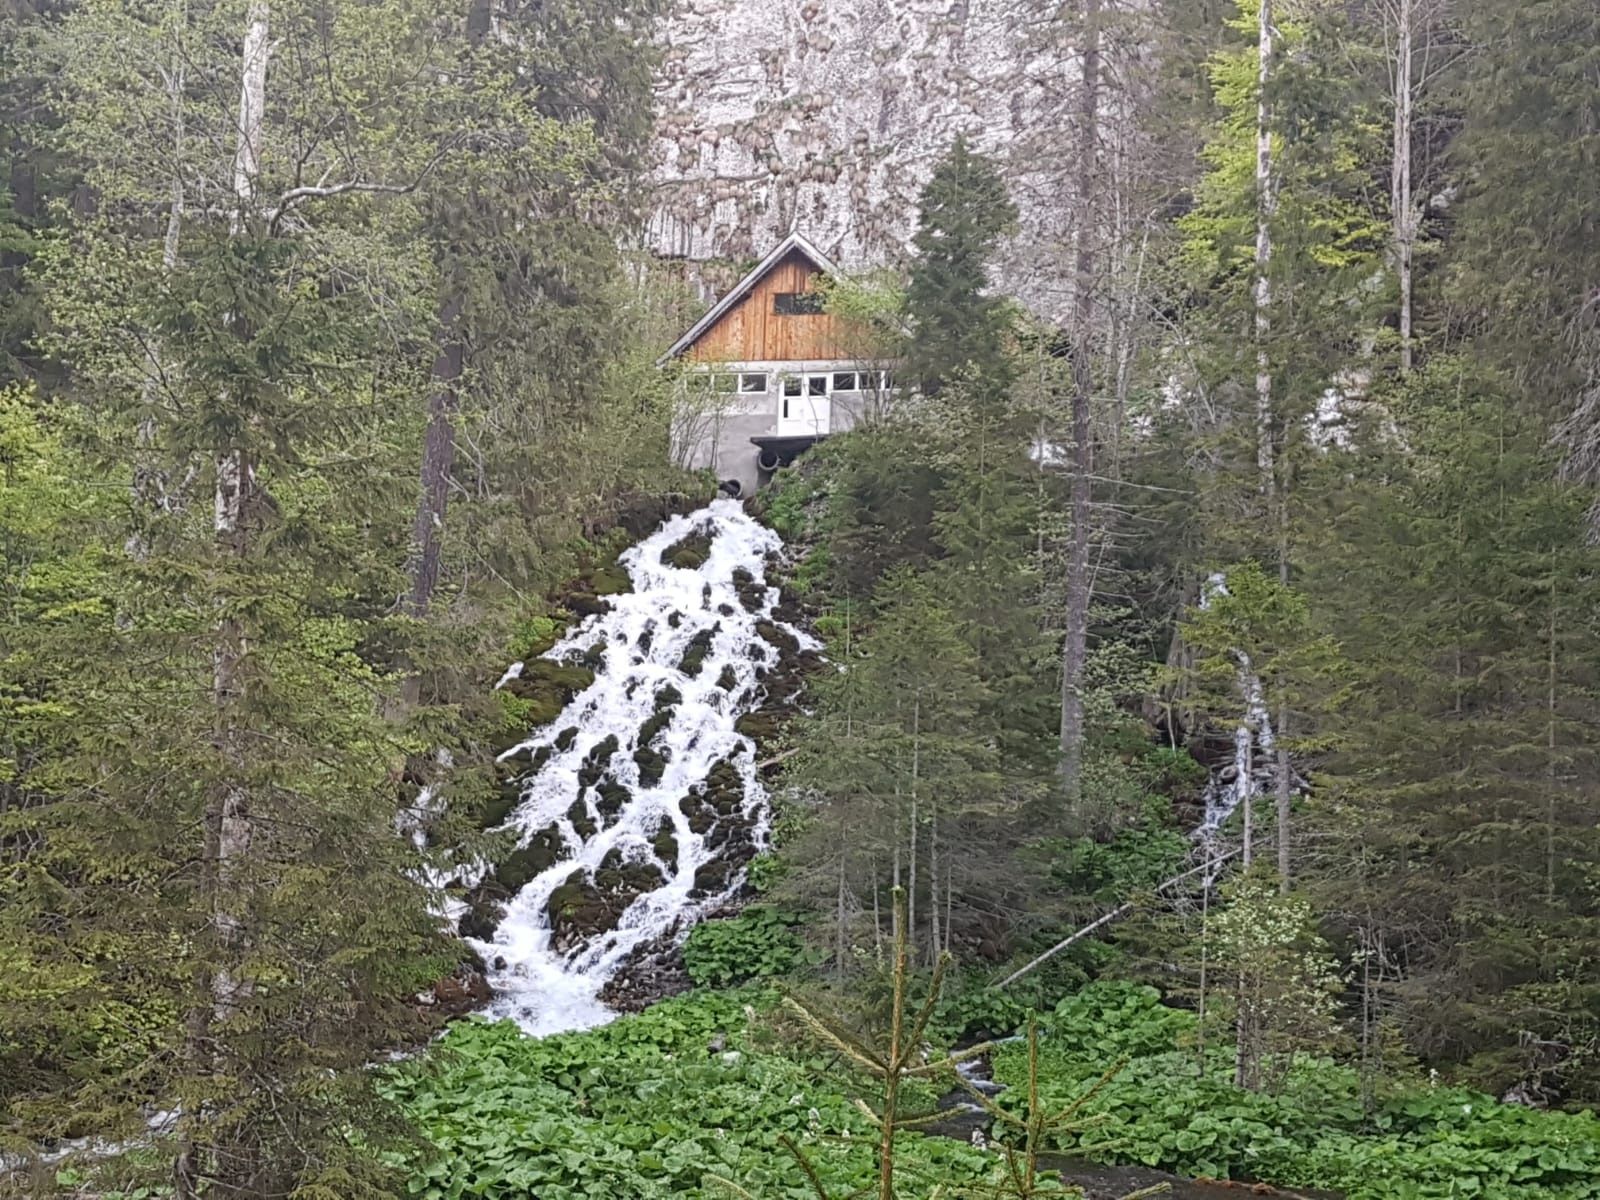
(797, 304)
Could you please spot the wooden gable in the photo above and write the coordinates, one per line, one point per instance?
(753, 330)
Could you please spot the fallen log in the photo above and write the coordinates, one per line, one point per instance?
(1115, 914)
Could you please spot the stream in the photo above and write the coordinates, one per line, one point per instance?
(643, 790)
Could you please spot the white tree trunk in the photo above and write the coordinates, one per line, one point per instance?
(150, 491)
(1074, 650)
(1266, 206)
(1402, 202)
(235, 479)
(229, 827)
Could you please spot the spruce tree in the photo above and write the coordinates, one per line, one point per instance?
(958, 325)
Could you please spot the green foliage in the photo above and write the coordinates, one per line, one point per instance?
(645, 1107)
(1418, 1142)
(758, 943)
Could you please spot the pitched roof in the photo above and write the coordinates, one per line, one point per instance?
(795, 242)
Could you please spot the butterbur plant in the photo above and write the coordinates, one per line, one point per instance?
(900, 1056)
(1033, 1128)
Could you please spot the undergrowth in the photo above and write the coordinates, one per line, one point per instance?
(1416, 1143)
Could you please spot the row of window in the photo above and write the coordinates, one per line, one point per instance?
(758, 382)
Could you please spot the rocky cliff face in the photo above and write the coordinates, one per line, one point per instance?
(828, 115)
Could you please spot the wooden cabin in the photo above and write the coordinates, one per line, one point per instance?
(769, 372)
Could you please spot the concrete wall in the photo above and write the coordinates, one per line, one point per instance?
(720, 439)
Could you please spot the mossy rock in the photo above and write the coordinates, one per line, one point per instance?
(597, 760)
(621, 882)
(537, 635)
(665, 843)
(752, 594)
(526, 761)
(587, 604)
(577, 910)
(594, 657)
(580, 908)
(542, 692)
(565, 738)
(484, 913)
(541, 853)
(777, 636)
(667, 700)
(729, 679)
(712, 878)
(582, 823)
(699, 811)
(609, 580)
(652, 764)
(610, 796)
(759, 727)
(694, 654)
(724, 788)
(521, 713)
(496, 811)
(689, 553)
(642, 514)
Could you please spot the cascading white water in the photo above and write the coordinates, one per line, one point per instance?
(1225, 792)
(719, 608)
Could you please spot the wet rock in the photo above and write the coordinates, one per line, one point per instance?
(652, 764)
(689, 553)
(586, 604)
(518, 867)
(665, 843)
(496, 811)
(667, 699)
(610, 796)
(694, 655)
(597, 760)
(729, 679)
(546, 688)
(712, 878)
(655, 972)
(698, 810)
(779, 637)
(641, 515)
(724, 789)
(582, 908)
(760, 727)
(752, 595)
(582, 823)
(462, 991)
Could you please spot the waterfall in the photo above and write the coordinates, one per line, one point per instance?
(1232, 786)
(643, 789)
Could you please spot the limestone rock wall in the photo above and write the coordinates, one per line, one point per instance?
(828, 116)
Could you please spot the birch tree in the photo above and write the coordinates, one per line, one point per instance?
(1086, 234)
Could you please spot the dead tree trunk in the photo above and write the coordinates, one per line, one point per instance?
(438, 458)
(1266, 206)
(1079, 578)
(1402, 203)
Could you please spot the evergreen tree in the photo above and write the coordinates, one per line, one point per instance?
(1455, 812)
(958, 325)
(899, 760)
